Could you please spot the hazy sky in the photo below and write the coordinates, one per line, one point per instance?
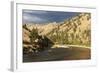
(37, 16)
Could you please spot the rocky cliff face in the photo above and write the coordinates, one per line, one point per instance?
(74, 31)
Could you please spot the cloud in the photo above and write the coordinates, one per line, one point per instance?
(35, 12)
(38, 16)
(32, 18)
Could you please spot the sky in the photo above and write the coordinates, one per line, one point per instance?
(40, 17)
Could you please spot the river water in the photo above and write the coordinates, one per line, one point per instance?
(57, 54)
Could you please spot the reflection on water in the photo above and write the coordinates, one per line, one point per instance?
(56, 54)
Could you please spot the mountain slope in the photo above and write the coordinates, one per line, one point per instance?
(74, 31)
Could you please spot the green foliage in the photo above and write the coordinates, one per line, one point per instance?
(64, 37)
(33, 35)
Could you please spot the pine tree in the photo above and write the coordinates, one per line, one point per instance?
(33, 35)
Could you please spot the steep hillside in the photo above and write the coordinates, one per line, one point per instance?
(74, 31)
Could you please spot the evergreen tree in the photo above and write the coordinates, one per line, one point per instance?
(33, 35)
